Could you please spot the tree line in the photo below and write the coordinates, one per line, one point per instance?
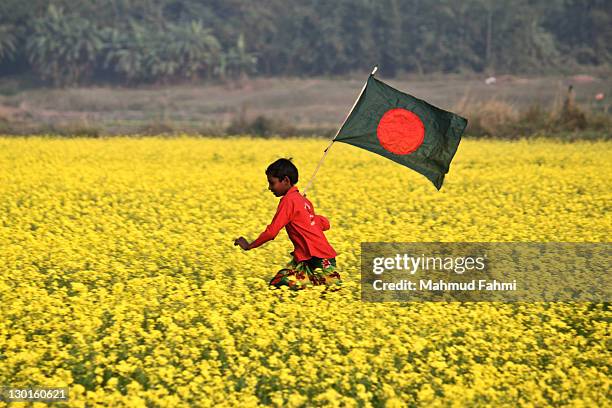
(69, 42)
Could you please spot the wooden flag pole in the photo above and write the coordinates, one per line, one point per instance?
(338, 132)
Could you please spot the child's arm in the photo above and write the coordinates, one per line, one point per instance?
(282, 217)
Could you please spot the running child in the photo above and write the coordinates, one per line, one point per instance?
(313, 259)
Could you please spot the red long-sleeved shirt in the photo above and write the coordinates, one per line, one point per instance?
(305, 229)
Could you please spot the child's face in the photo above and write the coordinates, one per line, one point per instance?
(278, 187)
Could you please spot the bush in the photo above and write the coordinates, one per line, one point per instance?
(571, 118)
(262, 126)
(501, 120)
(156, 128)
(491, 118)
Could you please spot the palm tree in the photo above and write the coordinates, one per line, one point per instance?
(63, 48)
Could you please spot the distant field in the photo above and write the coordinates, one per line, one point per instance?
(303, 103)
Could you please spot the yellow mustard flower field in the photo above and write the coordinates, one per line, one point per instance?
(119, 278)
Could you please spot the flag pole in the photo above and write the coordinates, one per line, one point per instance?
(337, 133)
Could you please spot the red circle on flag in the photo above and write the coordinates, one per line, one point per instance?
(400, 131)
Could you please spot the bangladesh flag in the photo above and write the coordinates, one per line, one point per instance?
(404, 129)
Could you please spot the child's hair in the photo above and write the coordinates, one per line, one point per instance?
(282, 168)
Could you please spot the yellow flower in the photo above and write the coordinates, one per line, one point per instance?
(121, 264)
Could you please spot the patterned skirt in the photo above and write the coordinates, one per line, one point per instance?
(306, 274)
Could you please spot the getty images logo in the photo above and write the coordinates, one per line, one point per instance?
(411, 264)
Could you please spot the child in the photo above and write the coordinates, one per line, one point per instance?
(313, 259)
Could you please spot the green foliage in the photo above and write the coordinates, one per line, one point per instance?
(146, 53)
(237, 62)
(8, 42)
(63, 48)
(69, 41)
